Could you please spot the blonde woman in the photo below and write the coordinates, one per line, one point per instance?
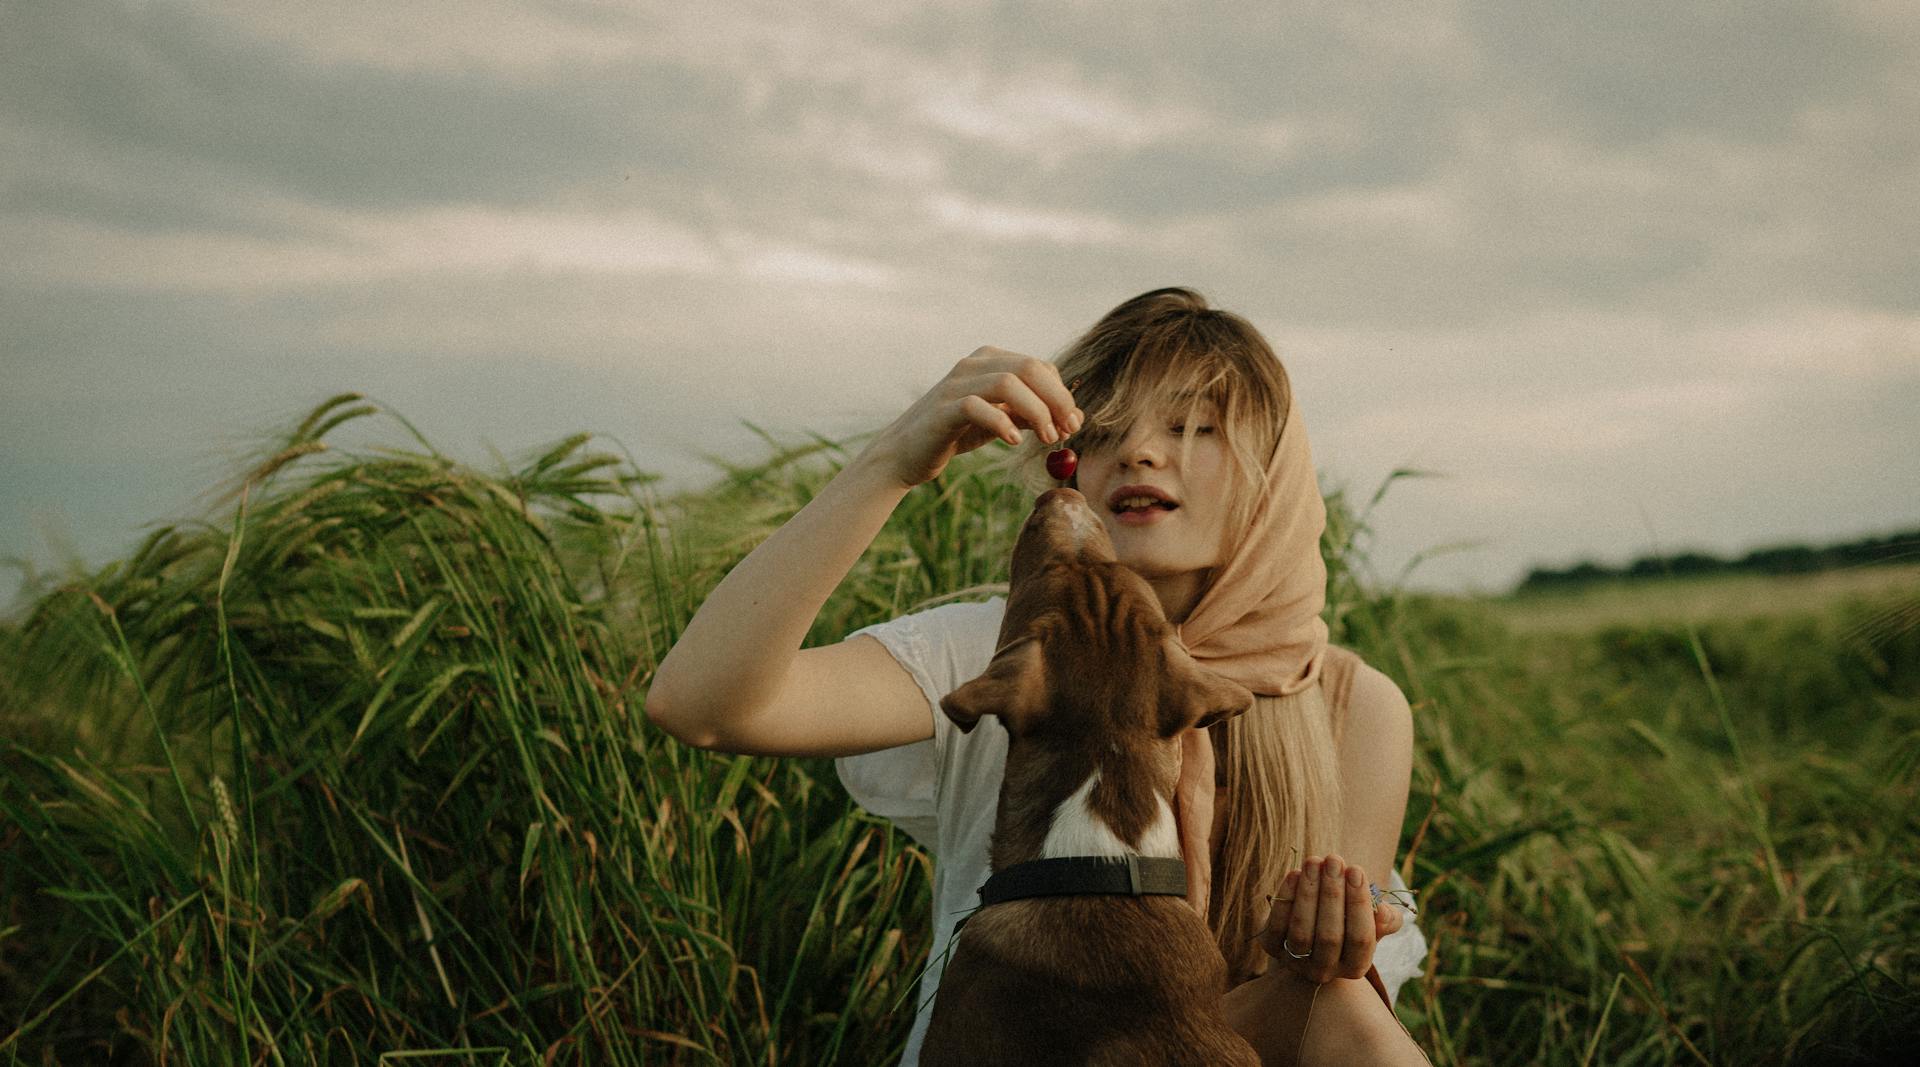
(1297, 803)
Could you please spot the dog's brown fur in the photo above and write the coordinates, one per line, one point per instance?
(1088, 678)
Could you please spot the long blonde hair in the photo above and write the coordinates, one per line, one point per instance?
(1282, 799)
(1280, 789)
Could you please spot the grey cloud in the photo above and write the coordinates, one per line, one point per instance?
(168, 82)
(1811, 460)
(1454, 209)
(1636, 71)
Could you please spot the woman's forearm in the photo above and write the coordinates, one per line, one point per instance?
(739, 647)
(736, 650)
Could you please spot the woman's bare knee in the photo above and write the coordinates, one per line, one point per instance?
(1351, 1024)
(1271, 1012)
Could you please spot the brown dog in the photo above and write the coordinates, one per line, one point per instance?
(1093, 690)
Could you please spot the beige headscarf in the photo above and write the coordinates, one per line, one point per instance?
(1258, 622)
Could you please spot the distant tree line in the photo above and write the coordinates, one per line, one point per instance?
(1782, 559)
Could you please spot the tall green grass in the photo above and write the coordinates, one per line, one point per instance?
(358, 770)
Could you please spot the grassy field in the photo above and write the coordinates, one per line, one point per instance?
(357, 772)
(1710, 599)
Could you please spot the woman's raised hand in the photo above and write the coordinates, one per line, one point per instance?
(990, 393)
(1324, 913)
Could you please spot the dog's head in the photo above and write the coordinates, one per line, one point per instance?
(1086, 656)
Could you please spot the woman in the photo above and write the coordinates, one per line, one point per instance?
(1188, 401)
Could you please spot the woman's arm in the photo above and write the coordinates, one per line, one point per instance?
(1349, 1021)
(737, 678)
(1318, 911)
(1376, 771)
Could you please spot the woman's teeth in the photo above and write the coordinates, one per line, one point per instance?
(1141, 503)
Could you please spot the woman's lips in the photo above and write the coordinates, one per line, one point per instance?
(1146, 517)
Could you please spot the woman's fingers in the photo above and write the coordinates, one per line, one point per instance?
(1007, 388)
(1330, 920)
(1044, 379)
(989, 418)
(1029, 388)
(1356, 953)
(988, 393)
(1306, 907)
(1280, 917)
(1387, 919)
(1324, 910)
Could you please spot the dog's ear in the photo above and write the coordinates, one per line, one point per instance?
(1193, 696)
(1013, 687)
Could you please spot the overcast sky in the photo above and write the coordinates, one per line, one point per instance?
(1621, 273)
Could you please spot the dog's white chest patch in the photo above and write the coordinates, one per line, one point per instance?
(1078, 831)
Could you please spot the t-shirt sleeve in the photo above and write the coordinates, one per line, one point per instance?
(942, 648)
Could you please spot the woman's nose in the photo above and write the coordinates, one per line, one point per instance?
(1140, 448)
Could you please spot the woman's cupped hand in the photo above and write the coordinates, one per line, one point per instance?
(1325, 923)
(989, 393)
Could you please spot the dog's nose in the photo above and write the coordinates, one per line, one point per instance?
(1061, 500)
(1076, 520)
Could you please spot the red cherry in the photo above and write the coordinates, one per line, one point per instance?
(1061, 462)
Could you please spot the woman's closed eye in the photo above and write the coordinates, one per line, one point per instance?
(1181, 428)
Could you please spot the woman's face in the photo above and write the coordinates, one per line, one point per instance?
(1173, 549)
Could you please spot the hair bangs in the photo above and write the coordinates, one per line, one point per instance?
(1167, 354)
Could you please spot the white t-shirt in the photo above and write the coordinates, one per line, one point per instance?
(945, 792)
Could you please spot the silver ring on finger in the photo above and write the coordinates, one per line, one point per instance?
(1291, 952)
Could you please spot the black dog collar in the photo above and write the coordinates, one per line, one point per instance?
(1063, 876)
